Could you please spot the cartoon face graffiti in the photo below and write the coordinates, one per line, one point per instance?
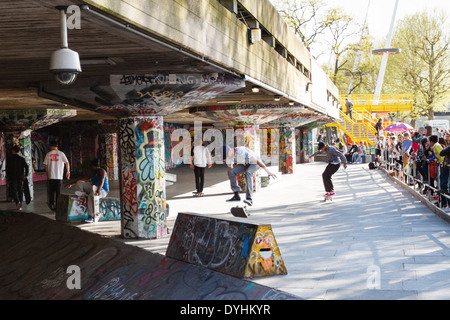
(263, 245)
(265, 258)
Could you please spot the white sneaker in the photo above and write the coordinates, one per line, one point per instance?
(19, 206)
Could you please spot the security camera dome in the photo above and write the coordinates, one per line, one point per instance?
(66, 78)
(65, 65)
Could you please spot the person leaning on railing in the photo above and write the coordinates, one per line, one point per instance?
(446, 153)
(443, 176)
(422, 155)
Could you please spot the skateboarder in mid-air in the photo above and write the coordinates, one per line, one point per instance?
(243, 160)
(334, 162)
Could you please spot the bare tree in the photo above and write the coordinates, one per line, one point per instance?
(309, 19)
(341, 31)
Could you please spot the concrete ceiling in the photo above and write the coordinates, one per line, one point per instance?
(30, 32)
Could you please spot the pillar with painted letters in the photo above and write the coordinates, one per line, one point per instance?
(142, 177)
(287, 150)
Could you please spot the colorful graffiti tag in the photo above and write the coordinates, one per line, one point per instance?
(131, 95)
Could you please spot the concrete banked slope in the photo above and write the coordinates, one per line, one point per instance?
(37, 253)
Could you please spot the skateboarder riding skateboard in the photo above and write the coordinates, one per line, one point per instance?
(243, 160)
(334, 162)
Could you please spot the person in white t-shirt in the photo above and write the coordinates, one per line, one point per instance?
(54, 162)
(200, 158)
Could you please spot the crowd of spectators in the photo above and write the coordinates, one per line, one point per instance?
(418, 156)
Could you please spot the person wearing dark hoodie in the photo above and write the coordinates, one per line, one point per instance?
(334, 158)
(445, 183)
(16, 173)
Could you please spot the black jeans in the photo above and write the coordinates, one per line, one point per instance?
(199, 178)
(54, 189)
(16, 189)
(327, 174)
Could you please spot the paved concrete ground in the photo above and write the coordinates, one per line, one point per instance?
(374, 241)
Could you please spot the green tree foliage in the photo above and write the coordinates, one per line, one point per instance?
(423, 66)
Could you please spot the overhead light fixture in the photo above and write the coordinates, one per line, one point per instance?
(228, 101)
(255, 89)
(254, 35)
(98, 62)
(65, 63)
(291, 103)
(277, 98)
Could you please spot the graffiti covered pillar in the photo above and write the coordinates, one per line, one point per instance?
(2, 159)
(108, 152)
(142, 177)
(308, 144)
(287, 150)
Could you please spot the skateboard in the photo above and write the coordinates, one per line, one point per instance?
(240, 212)
(328, 198)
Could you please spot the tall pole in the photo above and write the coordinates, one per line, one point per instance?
(386, 55)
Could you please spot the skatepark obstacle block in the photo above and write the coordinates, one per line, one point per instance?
(232, 247)
(71, 208)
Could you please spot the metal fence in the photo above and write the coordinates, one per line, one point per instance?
(425, 177)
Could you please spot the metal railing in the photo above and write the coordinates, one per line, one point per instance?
(380, 103)
(425, 180)
(357, 128)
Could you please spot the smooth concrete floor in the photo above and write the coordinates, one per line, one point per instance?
(374, 241)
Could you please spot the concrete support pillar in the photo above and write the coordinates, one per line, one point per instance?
(142, 177)
(307, 145)
(2, 159)
(287, 150)
(108, 150)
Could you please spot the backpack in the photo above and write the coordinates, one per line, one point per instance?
(372, 166)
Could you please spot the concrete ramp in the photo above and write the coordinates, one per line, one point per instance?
(50, 260)
(233, 246)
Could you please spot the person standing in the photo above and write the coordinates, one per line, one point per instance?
(243, 160)
(443, 172)
(334, 162)
(54, 162)
(348, 108)
(378, 125)
(16, 173)
(200, 158)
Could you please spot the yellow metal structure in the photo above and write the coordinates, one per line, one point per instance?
(360, 128)
(380, 103)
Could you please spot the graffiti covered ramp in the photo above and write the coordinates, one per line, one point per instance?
(49, 260)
